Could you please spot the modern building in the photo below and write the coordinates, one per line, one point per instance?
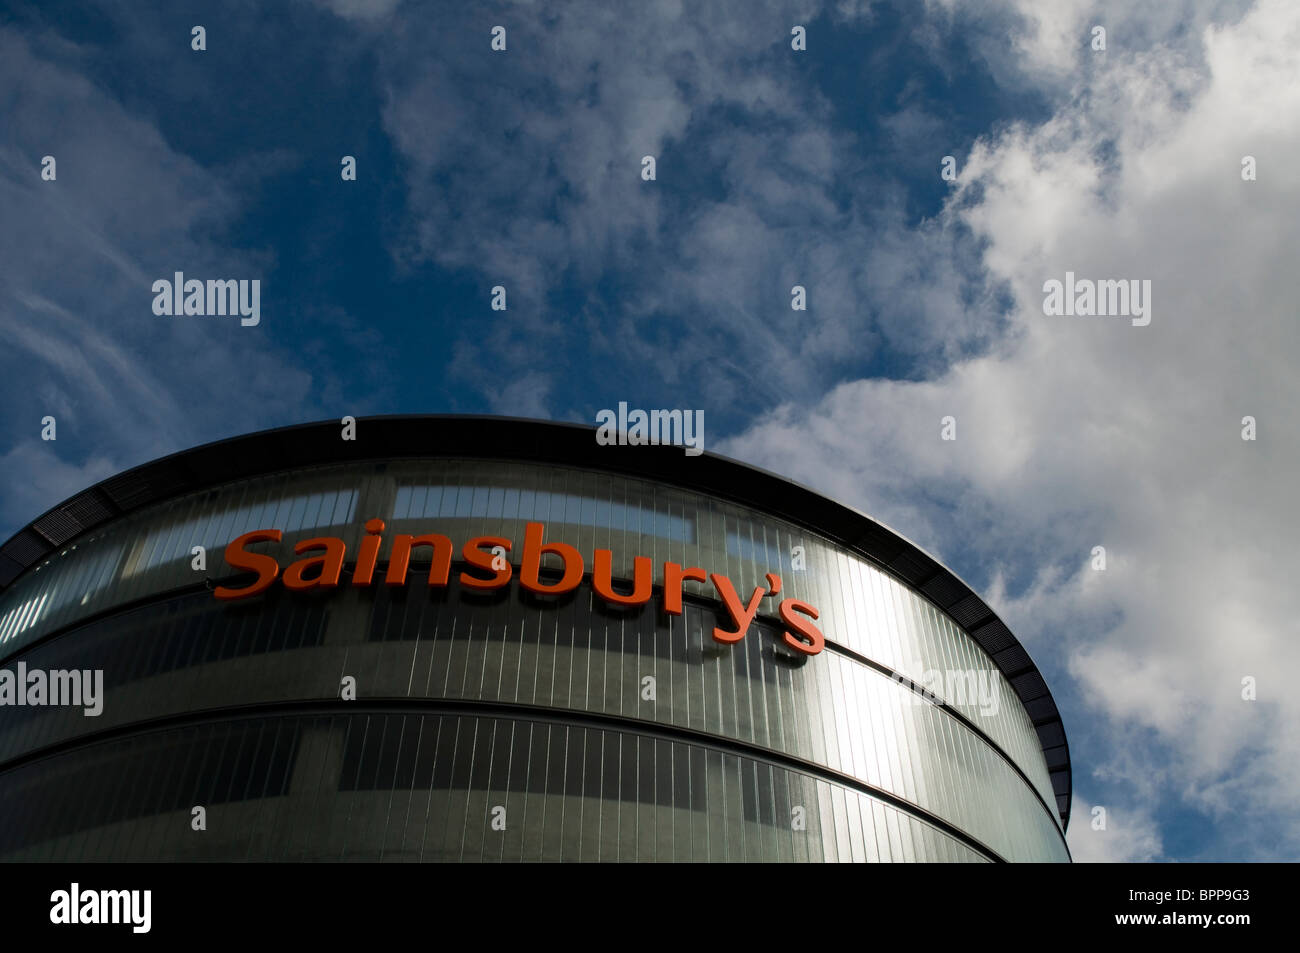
(495, 639)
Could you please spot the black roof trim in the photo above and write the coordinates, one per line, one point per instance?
(513, 438)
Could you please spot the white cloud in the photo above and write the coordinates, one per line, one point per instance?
(1049, 42)
(532, 179)
(1128, 837)
(1075, 432)
(525, 396)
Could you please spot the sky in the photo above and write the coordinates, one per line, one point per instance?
(774, 167)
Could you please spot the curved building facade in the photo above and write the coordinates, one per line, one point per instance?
(469, 639)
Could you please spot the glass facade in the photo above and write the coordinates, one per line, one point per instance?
(502, 725)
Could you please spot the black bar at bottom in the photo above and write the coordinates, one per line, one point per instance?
(1030, 905)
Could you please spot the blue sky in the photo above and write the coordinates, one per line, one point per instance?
(774, 168)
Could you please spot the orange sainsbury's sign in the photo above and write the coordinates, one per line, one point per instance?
(483, 554)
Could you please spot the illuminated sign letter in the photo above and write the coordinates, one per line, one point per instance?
(602, 580)
(534, 549)
(480, 558)
(439, 569)
(674, 576)
(801, 627)
(331, 564)
(238, 558)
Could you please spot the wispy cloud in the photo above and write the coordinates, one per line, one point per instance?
(81, 253)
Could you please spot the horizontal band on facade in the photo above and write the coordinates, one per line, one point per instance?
(613, 611)
(508, 711)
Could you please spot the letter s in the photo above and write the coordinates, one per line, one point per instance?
(801, 627)
(479, 558)
(238, 558)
